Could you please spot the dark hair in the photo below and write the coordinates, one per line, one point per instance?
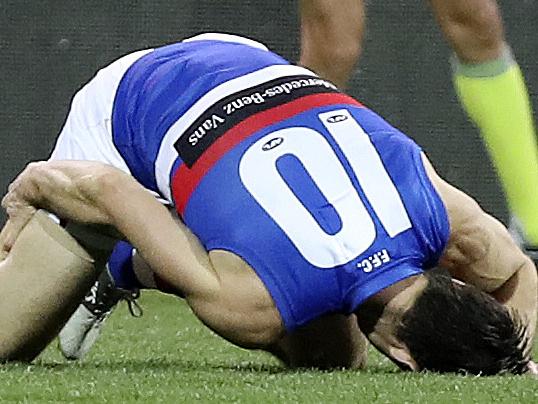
(458, 328)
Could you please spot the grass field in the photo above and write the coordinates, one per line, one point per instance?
(168, 356)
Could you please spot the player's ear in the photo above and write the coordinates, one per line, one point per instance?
(378, 318)
(384, 339)
(400, 354)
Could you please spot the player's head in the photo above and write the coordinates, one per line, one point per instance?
(455, 327)
(452, 327)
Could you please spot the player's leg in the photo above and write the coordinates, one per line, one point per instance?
(42, 280)
(124, 275)
(117, 282)
(332, 341)
(87, 135)
(331, 37)
(491, 88)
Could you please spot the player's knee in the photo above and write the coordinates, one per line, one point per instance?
(313, 347)
(39, 294)
(347, 52)
(324, 360)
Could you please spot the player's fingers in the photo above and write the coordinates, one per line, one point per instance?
(21, 187)
(3, 246)
(6, 198)
(15, 224)
(9, 235)
(9, 201)
(533, 368)
(4, 249)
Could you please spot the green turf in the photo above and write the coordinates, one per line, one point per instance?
(168, 356)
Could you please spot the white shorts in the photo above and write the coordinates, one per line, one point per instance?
(87, 132)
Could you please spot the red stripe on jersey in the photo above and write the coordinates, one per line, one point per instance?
(185, 179)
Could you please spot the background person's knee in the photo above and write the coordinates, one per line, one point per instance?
(473, 28)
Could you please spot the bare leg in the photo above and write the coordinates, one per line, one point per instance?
(331, 37)
(473, 28)
(492, 90)
(42, 280)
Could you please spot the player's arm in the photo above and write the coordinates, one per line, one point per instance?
(331, 36)
(481, 252)
(91, 192)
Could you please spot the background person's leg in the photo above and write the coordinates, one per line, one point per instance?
(42, 280)
(491, 89)
(331, 37)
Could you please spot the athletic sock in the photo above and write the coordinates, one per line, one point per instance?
(128, 275)
(495, 97)
(120, 266)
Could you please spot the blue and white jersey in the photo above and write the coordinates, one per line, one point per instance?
(326, 201)
(163, 93)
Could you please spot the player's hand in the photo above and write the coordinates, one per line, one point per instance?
(70, 189)
(9, 234)
(532, 368)
(18, 206)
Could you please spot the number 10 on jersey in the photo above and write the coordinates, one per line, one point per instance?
(260, 176)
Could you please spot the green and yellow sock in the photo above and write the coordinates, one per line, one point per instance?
(495, 97)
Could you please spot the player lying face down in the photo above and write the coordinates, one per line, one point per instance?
(301, 211)
(422, 322)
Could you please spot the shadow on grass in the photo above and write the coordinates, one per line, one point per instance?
(165, 364)
(134, 365)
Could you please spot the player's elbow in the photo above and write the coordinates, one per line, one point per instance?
(528, 273)
(519, 293)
